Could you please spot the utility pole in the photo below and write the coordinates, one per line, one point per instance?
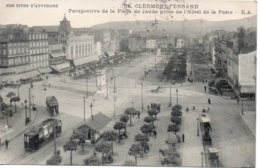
(91, 106)
(144, 71)
(54, 130)
(106, 88)
(114, 96)
(87, 86)
(25, 107)
(177, 96)
(242, 112)
(170, 94)
(30, 103)
(84, 106)
(155, 62)
(142, 95)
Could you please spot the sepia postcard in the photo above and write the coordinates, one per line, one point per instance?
(128, 83)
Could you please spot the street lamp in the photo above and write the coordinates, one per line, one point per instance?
(91, 106)
(84, 101)
(144, 71)
(202, 159)
(177, 96)
(114, 96)
(170, 95)
(142, 95)
(30, 103)
(87, 86)
(242, 107)
(25, 107)
(198, 132)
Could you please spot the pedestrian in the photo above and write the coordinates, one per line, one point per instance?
(154, 133)
(6, 144)
(237, 100)
(183, 137)
(49, 85)
(205, 88)
(209, 102)
(138, 115)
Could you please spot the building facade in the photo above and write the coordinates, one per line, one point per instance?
(39, 49)
(180, 43)
(14, 52)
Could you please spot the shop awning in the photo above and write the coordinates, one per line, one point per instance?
(9, 78)
(59, 54)
(61, 67)
(14, 70)
(44, 70)
(85, 60)
(29, 75)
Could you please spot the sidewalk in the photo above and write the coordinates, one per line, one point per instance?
(249, 118)
(192, 147)
(16, 125)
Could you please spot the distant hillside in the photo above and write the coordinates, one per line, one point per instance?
(198, 26)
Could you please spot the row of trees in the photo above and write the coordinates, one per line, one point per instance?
(171, 156)
(176, 119)
(141, 140)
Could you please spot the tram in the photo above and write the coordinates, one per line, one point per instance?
(41, 134)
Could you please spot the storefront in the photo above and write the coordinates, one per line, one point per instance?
(61, 67)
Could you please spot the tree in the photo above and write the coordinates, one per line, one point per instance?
(10, 95)
(124, 118)
(176, 113)
(173, 128)
(177, 107)
(110, 136)
(119, 126)
(130, 111)
(70, 146)
(241, 35)
(153, 112)
(146, 129)
(81, 134)
(141, 138)
(104, 148)
(54, 160)
(92, 160)
(135, 150)
(176, 119)
(149, 120)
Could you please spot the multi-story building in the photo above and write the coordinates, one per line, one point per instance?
(151, 44)
(80, 49)
(180, 43)
(39, 50)
(15, 57)
(57, 61)
(136, 44)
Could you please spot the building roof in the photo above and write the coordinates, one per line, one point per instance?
(46, 28)
(99, 121)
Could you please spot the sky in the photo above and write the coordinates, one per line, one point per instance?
(51, 16)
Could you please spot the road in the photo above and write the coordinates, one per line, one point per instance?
(229, 134)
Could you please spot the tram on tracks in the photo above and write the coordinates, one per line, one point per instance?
(41, 134)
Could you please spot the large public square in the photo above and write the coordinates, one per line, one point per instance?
(231, 133)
